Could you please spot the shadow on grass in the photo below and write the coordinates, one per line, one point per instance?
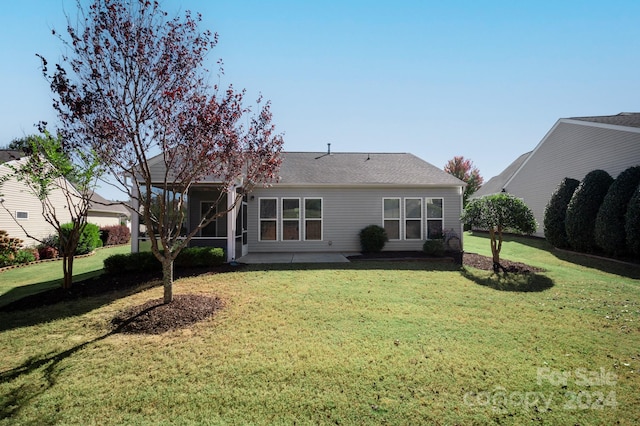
(610, 266)
(20, 292)
(16, 399)
(509, 282)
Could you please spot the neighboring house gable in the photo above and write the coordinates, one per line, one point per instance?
(572, 148)
(496, 183)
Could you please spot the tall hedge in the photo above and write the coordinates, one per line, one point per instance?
(556, 211)
(632, 226)
(582, 211)
(610, 223)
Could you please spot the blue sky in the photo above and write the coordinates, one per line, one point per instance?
(482, 79)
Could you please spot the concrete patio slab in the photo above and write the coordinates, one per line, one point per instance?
(253, 258)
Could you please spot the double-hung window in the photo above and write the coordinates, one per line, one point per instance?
(413, 218)
(435, 218)
(268, 217)
(290, 219)
(313, 219)
(391, 217)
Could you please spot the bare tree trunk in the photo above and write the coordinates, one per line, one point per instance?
(67, 270)
(167, 279)
(496, 246)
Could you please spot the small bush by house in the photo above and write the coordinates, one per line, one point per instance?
(434, 248)
(372, 239)
(89, 238)
(556, 211)
(114, 235)
(583, 209)
(190, 257)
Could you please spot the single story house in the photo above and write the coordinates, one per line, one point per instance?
(103, 212)
(572, 148)
(322, 201)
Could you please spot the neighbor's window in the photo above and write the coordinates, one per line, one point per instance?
(22, 215)
(391, 217)
(435, 218)
(268, 217)
(313, 219)
(413, 218)
(290, 219)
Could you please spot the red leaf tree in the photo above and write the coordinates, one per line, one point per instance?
(465, 171)
(134, 87)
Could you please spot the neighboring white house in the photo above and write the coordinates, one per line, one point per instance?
(19, 208)
(323, 200)
(103, 212)
(572, 148)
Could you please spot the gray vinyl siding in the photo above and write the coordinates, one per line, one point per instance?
(345, 212)
(572, 149)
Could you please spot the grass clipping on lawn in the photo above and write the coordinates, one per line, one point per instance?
(156, 317)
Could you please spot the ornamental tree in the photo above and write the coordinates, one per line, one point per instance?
(134, 86)
(466, 172)
(498, 213)
(54, 172)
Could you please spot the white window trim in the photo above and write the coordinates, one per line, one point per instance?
(427, 218)
(260, 219)
(321, 219)
(399, 219)
(22, 218)
(421, 218)
(283, 219)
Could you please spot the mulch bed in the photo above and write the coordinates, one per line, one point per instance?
(154, 317)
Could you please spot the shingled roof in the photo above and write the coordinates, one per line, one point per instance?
(496, 183)
(627, 119)
(342, 168)
(7, 155)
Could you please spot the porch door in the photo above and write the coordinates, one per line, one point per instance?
(242, 236)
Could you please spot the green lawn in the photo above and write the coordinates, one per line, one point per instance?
(19, 282)
(361, 343)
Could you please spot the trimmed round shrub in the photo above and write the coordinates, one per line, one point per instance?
(113, 235)
(556, 211)
(632, 224)
(372, 239)
(610, 231)
(583, 209)
(434, 248)
(47, 252)
(89, 238)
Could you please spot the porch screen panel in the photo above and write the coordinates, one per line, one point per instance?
(435, 218)
(268, 214)
(391, 217)
(211, 230)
